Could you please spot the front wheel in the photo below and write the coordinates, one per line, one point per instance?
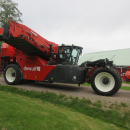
(12, 74)
(106, 81)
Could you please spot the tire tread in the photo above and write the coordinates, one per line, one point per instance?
(117, 78)
(18, 74)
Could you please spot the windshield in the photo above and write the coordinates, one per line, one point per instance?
(68, 55)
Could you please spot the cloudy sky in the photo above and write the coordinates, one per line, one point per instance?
(96, 25)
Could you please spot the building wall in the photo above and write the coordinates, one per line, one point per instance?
(119, 57)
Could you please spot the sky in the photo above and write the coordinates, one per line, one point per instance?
(96, 25)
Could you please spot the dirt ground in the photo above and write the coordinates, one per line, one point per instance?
(73, 90)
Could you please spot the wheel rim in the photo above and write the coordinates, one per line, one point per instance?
(104, 82)
(10, 74)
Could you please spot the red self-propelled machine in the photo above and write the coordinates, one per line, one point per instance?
(25, 55)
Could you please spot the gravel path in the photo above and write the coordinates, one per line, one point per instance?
(73, 90)
(124, 84)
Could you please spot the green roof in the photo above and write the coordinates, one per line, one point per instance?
(119, 57)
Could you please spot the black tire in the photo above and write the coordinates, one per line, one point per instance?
(12, 74)
(106, 81)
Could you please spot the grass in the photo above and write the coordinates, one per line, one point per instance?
(125, 88)
(116, 106)
(87, 84)
(124, 104)
(81, 106)
(23, 113)
(125, 82)
(98, 104)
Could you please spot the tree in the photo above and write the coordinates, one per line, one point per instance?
(9, 11)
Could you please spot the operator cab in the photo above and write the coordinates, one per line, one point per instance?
(68, 54)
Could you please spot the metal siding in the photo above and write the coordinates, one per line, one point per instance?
(119, 57)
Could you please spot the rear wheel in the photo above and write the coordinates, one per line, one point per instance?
(106, 81)
(12, 74)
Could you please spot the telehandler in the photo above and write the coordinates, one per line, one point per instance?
(25, 55)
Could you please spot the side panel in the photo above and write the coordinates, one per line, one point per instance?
(7, 50)
(7, 55)
(33, 67)
(66, 74)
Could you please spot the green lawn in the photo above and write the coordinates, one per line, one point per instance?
(24, 113)
(125, 88)
(87, 84)
(125, 82)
